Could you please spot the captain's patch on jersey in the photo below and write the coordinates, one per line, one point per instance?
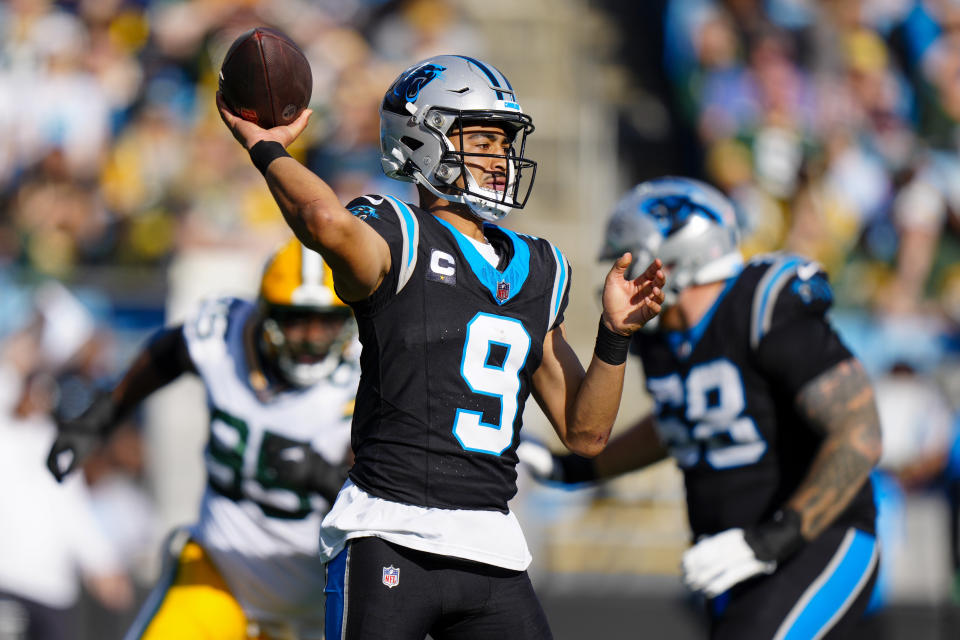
(442, 267)
(391, 576)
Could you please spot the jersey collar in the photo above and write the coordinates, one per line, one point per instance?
(682, 343)
(503, 285)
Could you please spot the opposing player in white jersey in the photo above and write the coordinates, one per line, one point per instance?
(281, 375)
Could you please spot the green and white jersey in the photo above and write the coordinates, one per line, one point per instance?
(262, 537)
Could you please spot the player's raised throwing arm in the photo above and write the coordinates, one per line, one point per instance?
(358, 255)
(580, 405)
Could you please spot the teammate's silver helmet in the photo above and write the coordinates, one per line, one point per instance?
(437, 97)
(688, 224)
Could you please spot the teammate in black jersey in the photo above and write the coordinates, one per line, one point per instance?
(767, 413)
(460, 321)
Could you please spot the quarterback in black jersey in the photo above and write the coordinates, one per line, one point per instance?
(460, 321)
(766, 412)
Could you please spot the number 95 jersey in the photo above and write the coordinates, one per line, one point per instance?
(262, 537)
(450, 345)
(725, 394)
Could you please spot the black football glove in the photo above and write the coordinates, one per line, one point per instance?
(295, 465)
(720, 561)
(80, 436)
(547, 467)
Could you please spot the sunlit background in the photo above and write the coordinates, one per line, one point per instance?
(834, 125)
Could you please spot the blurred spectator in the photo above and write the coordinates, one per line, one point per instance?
(49, 536)
(917, 424)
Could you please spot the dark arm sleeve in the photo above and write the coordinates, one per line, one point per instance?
(164, 358)
(169, 354)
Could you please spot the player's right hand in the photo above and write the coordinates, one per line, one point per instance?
(248, 133)
(79, 437)
(545, 466)
(295, 465)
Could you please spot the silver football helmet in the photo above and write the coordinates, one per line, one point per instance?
(436, 98)
(688, 224)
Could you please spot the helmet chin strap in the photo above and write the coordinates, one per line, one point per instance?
(483, 209)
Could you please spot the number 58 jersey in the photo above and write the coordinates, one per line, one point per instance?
(450, 344)
(725, 394)
(262, 537)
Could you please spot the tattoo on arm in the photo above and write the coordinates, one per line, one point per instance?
(840, 404)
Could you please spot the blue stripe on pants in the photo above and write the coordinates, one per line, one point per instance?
(835, 590)
(334, 591)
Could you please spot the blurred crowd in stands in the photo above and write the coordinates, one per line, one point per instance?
(834, 125)
(111, 151)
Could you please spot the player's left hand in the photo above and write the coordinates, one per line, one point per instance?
(718, 562)
(248, 133)
(79, 437)
(721, 561)
(630, 304)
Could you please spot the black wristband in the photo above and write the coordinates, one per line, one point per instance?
(265, 152)
(777, 538)
(575, 469)
(611, 347)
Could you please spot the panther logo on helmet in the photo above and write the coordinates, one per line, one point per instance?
(686, 223)
(409, 86)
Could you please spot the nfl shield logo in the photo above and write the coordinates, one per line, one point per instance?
(391, 576)
(503, 291)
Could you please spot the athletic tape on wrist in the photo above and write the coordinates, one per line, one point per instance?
(611, 347)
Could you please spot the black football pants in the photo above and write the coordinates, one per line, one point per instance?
(376, 589)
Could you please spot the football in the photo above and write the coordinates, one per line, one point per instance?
(265, 78)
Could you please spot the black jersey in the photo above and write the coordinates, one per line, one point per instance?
(450, 345)
(725, 393)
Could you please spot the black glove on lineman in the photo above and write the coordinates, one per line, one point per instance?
(295, 465)
(776, 539)
(78, 437)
